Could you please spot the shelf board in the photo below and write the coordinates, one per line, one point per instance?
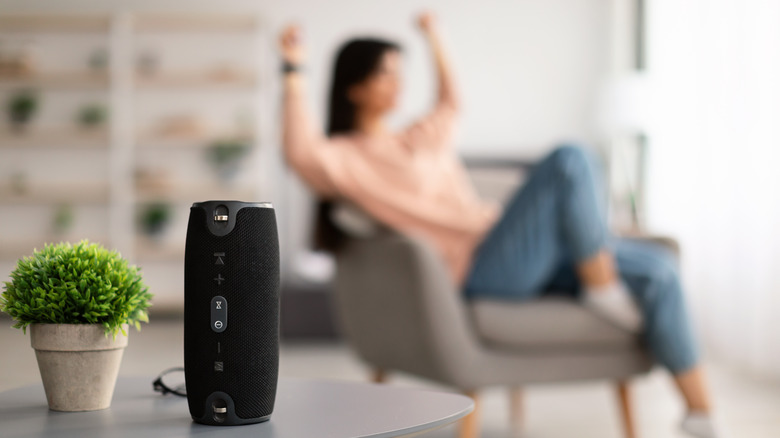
(55, 23)
(194, 23)
(147, 251)
(55, 138)
(188, 142)
(14, 249)
(216, 81)
(64, 80)
(55, 194)
(193, 193)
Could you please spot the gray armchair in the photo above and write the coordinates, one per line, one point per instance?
(400, 312)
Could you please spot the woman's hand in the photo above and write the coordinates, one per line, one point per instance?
(427, 22)
(448, 94)
(290, 45)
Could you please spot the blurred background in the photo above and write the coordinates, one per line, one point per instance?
(116, 116)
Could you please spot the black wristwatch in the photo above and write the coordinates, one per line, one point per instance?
(289, 67)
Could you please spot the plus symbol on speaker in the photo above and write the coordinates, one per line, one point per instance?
(219, 279)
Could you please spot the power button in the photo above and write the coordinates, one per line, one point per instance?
(218, 314)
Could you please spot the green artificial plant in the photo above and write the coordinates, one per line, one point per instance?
(22, 106)
(92, 115)
(81, 283)
(155, 217)
(223, 152)
(63, 218)
(225, 156)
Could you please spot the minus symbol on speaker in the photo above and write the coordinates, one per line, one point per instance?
(219, 347)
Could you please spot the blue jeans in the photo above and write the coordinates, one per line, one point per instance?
(558, 219)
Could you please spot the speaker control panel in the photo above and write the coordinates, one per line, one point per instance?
(218, 314)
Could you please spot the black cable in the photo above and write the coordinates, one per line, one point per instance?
(161, 387)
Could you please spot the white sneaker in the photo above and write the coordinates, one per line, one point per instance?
(615, 304)
(699, 425)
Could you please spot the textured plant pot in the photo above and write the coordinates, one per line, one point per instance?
(78, 364)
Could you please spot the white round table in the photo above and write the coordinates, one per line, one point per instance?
(304, 408)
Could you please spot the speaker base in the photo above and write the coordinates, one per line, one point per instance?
(220, 411)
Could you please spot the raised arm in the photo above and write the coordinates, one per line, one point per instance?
(305, 146)
(436, 129)
(447, 94)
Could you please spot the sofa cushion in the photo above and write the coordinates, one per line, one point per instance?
(545, 323)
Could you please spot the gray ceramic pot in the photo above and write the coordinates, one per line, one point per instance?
(78, 364)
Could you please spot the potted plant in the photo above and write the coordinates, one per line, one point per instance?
(225, 156)
(21, 108)
(63, 219)
(78, 301)
(155, 218)
(92, 116)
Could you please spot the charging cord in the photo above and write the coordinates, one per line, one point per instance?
(161, 387)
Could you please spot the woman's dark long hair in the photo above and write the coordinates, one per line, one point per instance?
(355, 62)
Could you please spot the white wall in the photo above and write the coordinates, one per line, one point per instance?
(529, 69)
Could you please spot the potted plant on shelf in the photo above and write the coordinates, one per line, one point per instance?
(21, 108)
(63, 219)
(78, 301)
(92, 116)
(225, 156)
(155, 218)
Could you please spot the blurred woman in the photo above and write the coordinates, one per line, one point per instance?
(553, 232)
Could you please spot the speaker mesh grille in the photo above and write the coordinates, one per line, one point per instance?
(249, 347)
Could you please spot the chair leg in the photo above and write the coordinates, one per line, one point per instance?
(469, 425)
(626, 409)
(378, 375)
(516, 409)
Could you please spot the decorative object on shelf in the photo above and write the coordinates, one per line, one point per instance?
(17, 64)
(78, 300)
(182, 126)
(18, 183)
(226, 73)
(21, 108)
(155, 219)
(225, 156)
(63, 219)
(92, 115)
(153, 180)
(98, 60)
(148, 63)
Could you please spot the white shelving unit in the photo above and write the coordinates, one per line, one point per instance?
(104, 188)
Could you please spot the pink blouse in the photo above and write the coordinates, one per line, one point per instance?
(411, 181)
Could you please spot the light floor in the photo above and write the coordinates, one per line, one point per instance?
(747, 407)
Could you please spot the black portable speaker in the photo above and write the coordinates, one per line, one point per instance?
(231, 312)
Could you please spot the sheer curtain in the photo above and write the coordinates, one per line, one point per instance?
(714, 166)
